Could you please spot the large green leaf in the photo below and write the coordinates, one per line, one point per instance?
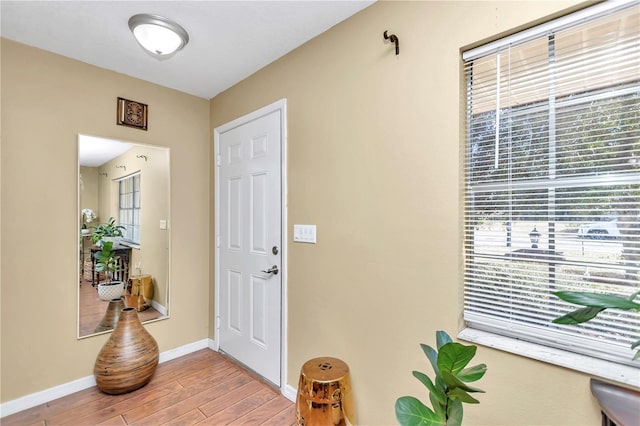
(424, 379)
(411, 411)
(432, 355)
(100, 256)
(453, 357)
(597, 300)
(107, 246)
(463, 396)
(455, 413)
(440, 408)
(435, 391)
(472, 374)
(442, 338)
(453, 382)
(578, 316)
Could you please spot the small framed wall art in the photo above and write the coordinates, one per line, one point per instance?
(132, 114)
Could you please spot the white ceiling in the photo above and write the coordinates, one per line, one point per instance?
(94, 152)
(228, 40)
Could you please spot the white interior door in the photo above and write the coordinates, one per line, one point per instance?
(249, 244)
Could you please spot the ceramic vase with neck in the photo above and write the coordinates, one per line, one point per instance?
(128, 360)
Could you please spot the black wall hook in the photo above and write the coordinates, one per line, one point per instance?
(393, 39)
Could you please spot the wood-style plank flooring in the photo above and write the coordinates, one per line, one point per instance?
(203, 388)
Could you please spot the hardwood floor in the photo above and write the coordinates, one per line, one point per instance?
(203, 388)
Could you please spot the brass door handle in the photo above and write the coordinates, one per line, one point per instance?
(273, 270)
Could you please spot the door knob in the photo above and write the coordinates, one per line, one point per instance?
(273, 270)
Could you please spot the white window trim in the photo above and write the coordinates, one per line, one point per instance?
(619, 373)
(555, 25)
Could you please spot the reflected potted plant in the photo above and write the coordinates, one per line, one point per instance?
(88, 216)
(109, 231)
(107, 262)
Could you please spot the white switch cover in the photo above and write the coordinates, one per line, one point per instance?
(304, 233)
(163, 224)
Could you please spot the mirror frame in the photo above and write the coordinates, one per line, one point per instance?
(167, 292)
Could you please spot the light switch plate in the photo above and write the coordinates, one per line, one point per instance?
(304, 233)
(163, 224)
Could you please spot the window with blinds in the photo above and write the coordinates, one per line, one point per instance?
(129, 207)
(552, 180)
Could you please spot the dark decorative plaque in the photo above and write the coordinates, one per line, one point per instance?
(132, 114)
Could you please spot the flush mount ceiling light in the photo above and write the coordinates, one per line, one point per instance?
(158, 35)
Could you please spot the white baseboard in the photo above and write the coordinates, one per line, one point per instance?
(290, 393)
(183, 350)
(37, 398)
(158, 307)
(34, 399)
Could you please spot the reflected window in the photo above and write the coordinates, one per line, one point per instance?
(129, 207)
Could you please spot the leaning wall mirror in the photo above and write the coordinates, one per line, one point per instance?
(123, 232)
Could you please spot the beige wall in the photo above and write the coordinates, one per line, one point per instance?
(374, 160)
(89, 193)
(46, 101)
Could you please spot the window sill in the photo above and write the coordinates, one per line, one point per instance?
(619, 373)
(130, 245)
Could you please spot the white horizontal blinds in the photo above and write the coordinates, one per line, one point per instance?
(553, 144)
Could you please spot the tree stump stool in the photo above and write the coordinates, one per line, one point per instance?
(324, 394)
(140, 292)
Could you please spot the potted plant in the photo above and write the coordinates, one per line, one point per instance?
(107, 232)
(88, 216)
(449, 389)
(108, 262)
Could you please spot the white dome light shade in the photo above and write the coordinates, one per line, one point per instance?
(158, 35)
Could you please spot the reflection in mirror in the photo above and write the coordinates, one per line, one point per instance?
(124, 187)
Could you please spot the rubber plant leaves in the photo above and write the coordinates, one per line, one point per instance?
(449, 389)
(594, 303)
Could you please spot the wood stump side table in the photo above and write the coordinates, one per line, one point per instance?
(140, 292)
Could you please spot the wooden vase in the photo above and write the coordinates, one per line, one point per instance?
(128, 359)
(111, 315)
